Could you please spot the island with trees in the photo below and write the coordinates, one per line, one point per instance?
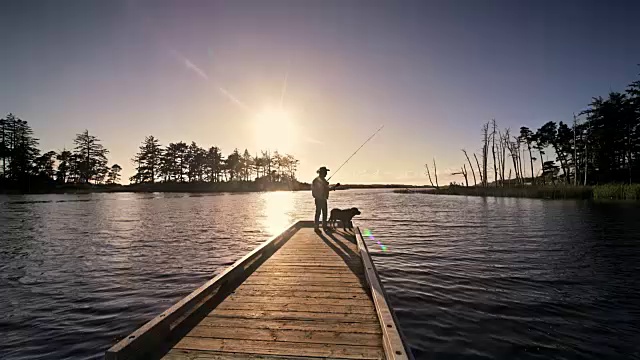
(24, 168)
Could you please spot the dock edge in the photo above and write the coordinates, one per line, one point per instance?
(393, 341)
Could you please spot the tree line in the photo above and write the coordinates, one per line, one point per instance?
(24, 167)
(599, 145)
(179, 162)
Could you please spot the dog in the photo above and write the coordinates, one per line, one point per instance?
(344, 216)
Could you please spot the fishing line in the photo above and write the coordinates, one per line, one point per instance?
(355, 152)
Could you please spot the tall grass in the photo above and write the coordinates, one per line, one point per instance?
(617, 191)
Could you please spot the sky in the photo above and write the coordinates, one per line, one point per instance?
(311, 78)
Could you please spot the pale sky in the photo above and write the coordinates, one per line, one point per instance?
(431, 71)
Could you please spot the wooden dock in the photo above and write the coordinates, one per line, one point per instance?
(300, 295)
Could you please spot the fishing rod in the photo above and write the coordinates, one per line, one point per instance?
(355, 152)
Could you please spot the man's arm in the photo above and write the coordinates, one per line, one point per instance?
(334, 186)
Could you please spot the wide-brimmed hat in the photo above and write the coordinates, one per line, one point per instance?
(324, 168)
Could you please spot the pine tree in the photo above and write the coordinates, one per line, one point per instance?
(247, 165)
(233, 164)
(114, 174)
(195, 157)
(64, 166)
(92, 158)
(148, 161)
(213, 164)
(19, 148)
(44, 165)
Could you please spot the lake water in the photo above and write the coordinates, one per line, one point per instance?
(470, 278)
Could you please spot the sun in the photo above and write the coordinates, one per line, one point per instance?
(275, 130)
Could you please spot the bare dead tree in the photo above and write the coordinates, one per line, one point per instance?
(426, 166)
(479, 170)
(471, 166)
(503, 150)
(521, 151)
(463, 172)
(586, 159)
(513, 151)
(485, 153)
(498, 159)
(519, 162)
(576, 168)
(435, 172)
(493, 151)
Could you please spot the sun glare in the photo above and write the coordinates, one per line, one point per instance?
(276, 214)
(275, 130)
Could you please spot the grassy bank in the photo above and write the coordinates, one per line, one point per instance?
(414, 191)
(600, 192)
(538, 192)
(617, 191)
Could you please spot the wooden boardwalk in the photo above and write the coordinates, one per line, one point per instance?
(308, 299)
(311, 298)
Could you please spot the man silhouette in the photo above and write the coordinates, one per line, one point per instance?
(320, 190)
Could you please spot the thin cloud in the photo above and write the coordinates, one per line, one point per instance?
(190, 65)
(314, 141)
(230, 96)
(196, 69)
(284, 89)
(193, 67)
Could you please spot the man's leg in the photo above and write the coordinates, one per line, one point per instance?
(324, 214)
(317, 217)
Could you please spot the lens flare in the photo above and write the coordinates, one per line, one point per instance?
(369, 235)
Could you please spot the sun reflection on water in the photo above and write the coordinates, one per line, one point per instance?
(277, 211)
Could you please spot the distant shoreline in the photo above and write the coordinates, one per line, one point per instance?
(597, 192)
(199, 187)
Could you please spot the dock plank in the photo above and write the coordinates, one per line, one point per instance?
(180, 354)
(294, 315)
(281, 287)
(305, 325)
(301, 293)
(304, 282)
(280, 348)
(317, 308)
(307, 276)
(302, 336)
(299, 270)
(295, 300)
(315, 263)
